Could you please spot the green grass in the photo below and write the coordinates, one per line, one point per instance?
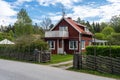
(60, 58)
(96, 73)
(54, 59)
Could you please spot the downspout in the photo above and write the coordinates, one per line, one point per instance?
(80, 43)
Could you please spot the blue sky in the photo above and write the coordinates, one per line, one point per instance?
(89, 10)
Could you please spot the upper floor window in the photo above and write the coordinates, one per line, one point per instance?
(86, 29)
(63, 28)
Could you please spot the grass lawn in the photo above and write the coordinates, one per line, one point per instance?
(96, 73)
(54, 59)
(60, 58)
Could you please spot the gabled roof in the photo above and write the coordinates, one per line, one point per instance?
(75, 25)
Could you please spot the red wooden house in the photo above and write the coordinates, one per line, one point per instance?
(68, 36)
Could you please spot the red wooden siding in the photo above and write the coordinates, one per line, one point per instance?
(74, 34)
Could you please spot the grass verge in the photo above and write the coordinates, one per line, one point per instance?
(54, 59)
(96, 73)
(61, 58)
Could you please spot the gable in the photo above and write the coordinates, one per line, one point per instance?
(63, 22)
(78, 27)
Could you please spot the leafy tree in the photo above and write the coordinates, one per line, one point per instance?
(103, 25)
(114, 39)
(108, 31)
(46, 22)
(1, 36)
(23, 25)
(115, 23)
(11, 34)
(38, 30)
(99, 36)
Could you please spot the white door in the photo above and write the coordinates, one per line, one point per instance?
(60, 47)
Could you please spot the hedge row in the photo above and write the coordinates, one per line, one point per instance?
(114, 51)
(23, 48)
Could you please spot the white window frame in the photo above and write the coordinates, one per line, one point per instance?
(72, 43)
(51, 44)
(83, 44)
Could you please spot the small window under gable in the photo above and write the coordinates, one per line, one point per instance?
(51, 44)
(63, 28)
(86, 29)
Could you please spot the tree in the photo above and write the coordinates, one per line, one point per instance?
(93, 27)
(46, 22)
(51, 26)
(11, 34)
(23, 25)
(115, 23)
(103, 25)
(38, 30)
(108, 31)
(114, 39)
(80, 21)
(89, 26)
(99, 36)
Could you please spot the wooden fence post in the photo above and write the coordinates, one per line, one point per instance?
(77, 61)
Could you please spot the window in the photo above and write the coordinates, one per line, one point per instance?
(83, 44)
(73, 44)
(63, 28)
(86, 29)
(51, 44)
(90, 42)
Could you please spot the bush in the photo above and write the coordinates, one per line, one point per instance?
(104, 50)
(23, 48)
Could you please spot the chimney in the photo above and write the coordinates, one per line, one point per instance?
(69, 18)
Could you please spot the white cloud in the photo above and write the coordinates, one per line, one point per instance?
(19, 2)
(108, 11)
(103, 12)
(67, 3)
(6, 12)
(113, 1)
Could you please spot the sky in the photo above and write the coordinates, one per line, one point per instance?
(88, 10)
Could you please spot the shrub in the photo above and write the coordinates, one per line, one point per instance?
(23, 48)
(104, 50)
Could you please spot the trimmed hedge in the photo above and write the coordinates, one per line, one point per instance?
(104, 50)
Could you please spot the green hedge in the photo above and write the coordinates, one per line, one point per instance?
(104, 50)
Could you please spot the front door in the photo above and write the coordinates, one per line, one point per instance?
(60, 46)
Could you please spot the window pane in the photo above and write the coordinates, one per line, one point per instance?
(63, 28)
(83, 44)
(51, 44)
(73, 44)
